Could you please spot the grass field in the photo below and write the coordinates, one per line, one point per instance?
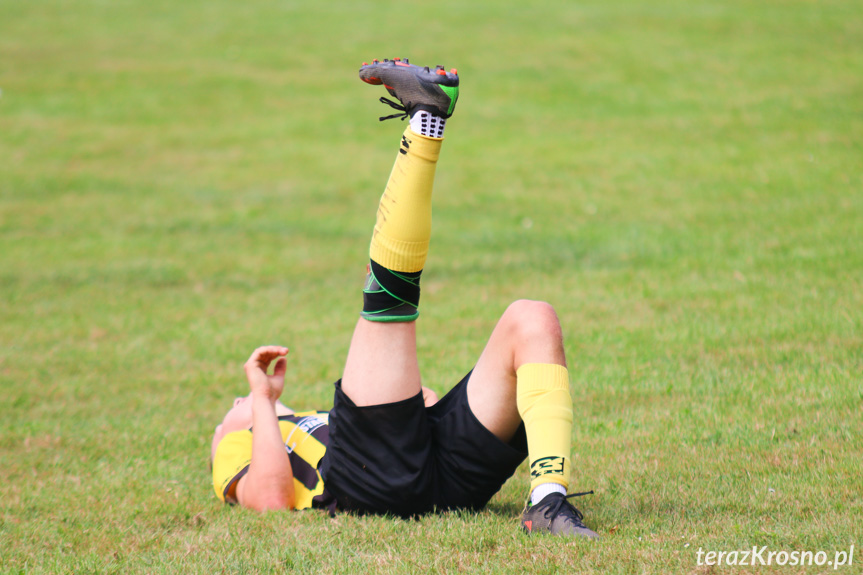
(183, 181)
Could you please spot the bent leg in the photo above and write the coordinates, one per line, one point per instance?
(521, 376)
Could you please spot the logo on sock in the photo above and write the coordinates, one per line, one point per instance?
(405, 146)
(547, 465)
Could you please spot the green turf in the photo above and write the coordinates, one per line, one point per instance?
(183, 181)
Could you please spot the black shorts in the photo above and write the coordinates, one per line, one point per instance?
(405, 459)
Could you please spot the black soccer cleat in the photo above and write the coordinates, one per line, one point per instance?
(556, 515)
(435, 91)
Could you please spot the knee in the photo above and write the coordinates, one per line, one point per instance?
(533, 320)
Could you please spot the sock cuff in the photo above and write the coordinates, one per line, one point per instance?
(424, 147)
(398, 255)
(542, 376)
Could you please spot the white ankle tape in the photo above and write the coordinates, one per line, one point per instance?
(426, 124)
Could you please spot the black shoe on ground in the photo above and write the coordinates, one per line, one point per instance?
(435, 91)
(556, 515)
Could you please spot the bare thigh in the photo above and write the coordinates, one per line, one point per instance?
(382, 363)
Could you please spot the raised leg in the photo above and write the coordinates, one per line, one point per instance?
(382, 365)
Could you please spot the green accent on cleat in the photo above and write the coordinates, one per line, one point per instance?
(452, 92)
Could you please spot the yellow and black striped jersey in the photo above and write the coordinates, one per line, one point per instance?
(305, 435)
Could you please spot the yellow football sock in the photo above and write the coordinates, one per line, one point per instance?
(400, 241)
(545, 406)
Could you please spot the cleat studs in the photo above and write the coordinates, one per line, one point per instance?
(375, 61)
(426, 70)
(453, 71)
(397, 59)
(441, 72)
(407, 61)
(365, 63)
(438, 67)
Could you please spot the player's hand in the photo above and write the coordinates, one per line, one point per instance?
(262, 384)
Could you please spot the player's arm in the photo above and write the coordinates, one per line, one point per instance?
(269, 483)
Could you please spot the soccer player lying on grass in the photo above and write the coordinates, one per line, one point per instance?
(389, 445)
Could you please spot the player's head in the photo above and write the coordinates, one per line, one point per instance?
(240, 417)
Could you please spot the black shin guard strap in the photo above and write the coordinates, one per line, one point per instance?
(390, 296)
